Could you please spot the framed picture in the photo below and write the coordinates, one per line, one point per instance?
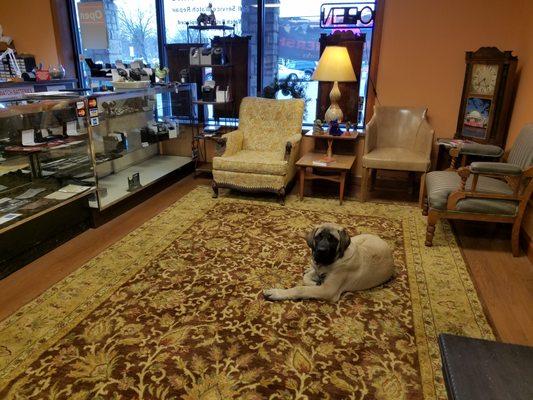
(476, 117)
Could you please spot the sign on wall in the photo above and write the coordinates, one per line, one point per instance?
(93, 26)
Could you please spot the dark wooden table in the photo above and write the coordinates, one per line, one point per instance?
(477, 369)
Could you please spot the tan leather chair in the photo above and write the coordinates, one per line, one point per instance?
(397, 138)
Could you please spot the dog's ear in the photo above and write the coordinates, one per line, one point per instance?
(344, 241)
(310, 238)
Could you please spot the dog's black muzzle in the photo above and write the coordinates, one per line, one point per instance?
(324, 253)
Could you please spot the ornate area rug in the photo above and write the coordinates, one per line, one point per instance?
(175, 311)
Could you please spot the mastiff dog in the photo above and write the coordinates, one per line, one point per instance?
(340, 263)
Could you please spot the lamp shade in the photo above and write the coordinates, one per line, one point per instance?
(334, 66)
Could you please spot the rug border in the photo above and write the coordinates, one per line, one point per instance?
(483, 302)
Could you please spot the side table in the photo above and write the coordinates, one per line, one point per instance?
(339, 167)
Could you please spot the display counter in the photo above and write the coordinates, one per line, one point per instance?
(96, 150)
(9, 90)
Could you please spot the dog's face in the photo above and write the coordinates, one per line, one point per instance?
(328, 243)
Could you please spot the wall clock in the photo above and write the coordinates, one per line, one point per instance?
(486, 101)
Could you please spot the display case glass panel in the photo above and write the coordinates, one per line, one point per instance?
(45, 160)
(127, 142)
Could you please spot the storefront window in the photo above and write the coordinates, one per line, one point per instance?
(113, 30)
(295, 46)
(290, 31)
(239, 16)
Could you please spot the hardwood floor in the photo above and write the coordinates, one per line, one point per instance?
(504, 283)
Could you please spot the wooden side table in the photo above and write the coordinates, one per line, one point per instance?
(339, 167)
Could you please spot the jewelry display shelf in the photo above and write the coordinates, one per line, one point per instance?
(205, 103)
(151, 171)
(211, 65)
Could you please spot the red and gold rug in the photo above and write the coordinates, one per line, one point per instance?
(175, 311)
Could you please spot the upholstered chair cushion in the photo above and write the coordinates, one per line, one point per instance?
(257, 162)
(268, 123)
(396, 158)
(440, 184)
(398, 126)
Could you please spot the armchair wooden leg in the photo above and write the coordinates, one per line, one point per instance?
(515, 237)
(373, 175)
(215, 189)
(433, 218)
(364, 184)
(281, 196)
(425, 207)
(422, 195)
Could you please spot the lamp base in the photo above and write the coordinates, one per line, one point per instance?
(334, 111)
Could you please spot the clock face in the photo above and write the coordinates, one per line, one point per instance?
(483, 81)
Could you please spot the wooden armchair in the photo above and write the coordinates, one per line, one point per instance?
(483, 191)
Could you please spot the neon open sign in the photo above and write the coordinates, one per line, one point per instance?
(343, 15)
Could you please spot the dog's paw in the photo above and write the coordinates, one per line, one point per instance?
(273, 294)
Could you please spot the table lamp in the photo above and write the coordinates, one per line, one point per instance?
(334, 66)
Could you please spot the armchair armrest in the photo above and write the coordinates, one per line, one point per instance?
(231, 142)
(478, 149)
(292, 144)
(495, 168)
(424, 138)
(463, 192)
(371, 135)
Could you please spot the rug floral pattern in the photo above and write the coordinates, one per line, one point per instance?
(187, 320)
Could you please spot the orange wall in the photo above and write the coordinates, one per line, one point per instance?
(423, 48)
(29, 23)
(523, 108)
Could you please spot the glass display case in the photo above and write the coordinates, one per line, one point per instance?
(45, 160)
(55, 149)
(127, 130)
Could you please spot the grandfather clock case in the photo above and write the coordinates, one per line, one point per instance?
(488, 94)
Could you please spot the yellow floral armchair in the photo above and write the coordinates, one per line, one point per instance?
(261, 154)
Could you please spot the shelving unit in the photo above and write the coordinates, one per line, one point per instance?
(128, 140)
(151, 171)
(205, 103)
(201, 28)
(197, 74)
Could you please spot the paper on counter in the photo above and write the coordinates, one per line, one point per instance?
(28, 194)
(59, 195)
(28, 138)
(73, 189)
(36, 204)
(72, 128)
(67, 192)
(8, 217)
